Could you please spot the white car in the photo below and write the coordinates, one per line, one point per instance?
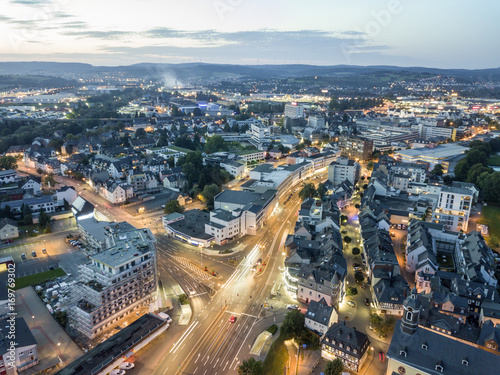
(191, 291)
(350, 303)
(292, 307)
(126, 366)
(117, 372)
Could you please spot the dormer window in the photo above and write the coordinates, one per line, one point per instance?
(465, 362)
(439, 368)
(403, 352)
(424, 346)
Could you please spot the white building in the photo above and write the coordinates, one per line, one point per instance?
(453, 208)
(294, 110)
(24, 354)
(233, 167)
(343, 169)
(116, 283)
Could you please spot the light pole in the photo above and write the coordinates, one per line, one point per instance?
(220, 290)
(59, 348)
(33, 317)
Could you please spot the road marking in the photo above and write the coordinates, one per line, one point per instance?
(183, 337)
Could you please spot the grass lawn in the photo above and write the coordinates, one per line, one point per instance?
(494, 160)
(38, 278)
(276, 359)
(490, 215)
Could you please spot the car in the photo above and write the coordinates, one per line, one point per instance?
(232, 319)
(351, 303)
(399, 226)
(8, 240)
(254, 268)
(117, 372)
(292, 307)
(259, 262)
(356, 265)
(126, 366)
(357, 269)
(367, 302)
(393, 234)
(191, 291)
(44, 251)
(33, 254)
(23, 256)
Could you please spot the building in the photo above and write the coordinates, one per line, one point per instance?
(415, 349)
(36, 204)
(343, 169)
(356, 148)
(24, 354)
(346, 343)
(8, 229)
(234, 168)
(294, 110)
(8, 176)
(252, 156)
(320, 316)
(189, 227)
(448, 155)
(453, 208)
(317, 122)
(116, 282)
(66, 193)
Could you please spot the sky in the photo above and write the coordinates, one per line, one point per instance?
(431, 33)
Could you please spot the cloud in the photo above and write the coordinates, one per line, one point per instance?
(29, 2)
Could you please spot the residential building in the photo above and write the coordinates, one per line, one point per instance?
(346, 343)
(356, 148)
(66, 193)
(116, 283)
(317, 122)
(453, 208)
(8, 176)
(343, 169)
(24, 354)
(33, 184)
(8, 229)
(36, 204)
(319, 316)
(234, 168)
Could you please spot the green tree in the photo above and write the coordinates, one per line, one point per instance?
(334, 367)
(26, 214)
(67, 206)
(173, 206)
(359, 277)
(308, 191)
(321, 191)
(175, 111)
(293, 325)
(251, 367)
(171, 162)
(351, 291)
(355, 251)
(140, 133)
(438, 170)
(44, 221)
(209, 192)
(39, 171)
(475, 171)
(489, 183)
(382, 325)
(197, 112)
(8, 162)
(370, 165)
(49, 180)
(215, 144)
(347, 239)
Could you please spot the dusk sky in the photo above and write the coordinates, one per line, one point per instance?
(433, 33)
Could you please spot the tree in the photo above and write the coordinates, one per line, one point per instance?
(359, 277)
(438, 170)
(49, 180)
(140, 133)
(8, 162)
(321, 191)
(352, 291)
(39, 171)
(355, 251)
(175, 111)
(44, 221)
(334, 367)
(209, 192)
(347, 239)
(227, 128)
(173, 206)
(67, 206)
(489, 183)
(197, 112)
(308, 191)
(26, 214)
(251, 367)
(171, 162)
(215, 144)
(475, 171)
(382, 325)
(370, 165)
(293, 325)
(343, 219)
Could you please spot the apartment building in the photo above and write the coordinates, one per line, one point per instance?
(453, 208)
(294, 110)
(116, 282)
(343, 169)
(356, 148)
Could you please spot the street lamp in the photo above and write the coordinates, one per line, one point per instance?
(33, 317)
(220, 290)
(59, 348)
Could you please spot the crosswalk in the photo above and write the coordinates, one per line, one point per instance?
(185, 263)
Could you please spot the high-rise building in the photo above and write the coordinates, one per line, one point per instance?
(453, 208)
(116, 282)
(343, 169)
(356, 148)
(294, 110)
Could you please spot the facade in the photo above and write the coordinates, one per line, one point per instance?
(343, 169)
(66, 193)
(346, 343)
(252, 156)
(45, 202)
(356, 148)
(25, 353)
(115, 283)
(8, 177)
(235, 168)
(8, 229)
(319, 316)
(453, 208)
(294, 110)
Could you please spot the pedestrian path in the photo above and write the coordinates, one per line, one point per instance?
(197, 270)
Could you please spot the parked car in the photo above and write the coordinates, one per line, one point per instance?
(351, 303)
(232, 319)
(254, 268)
(44, 251)
(356, 264)
(8, 240)
(259, 262)
(23, 256)
(357, 269)
(292, 307)
(191, 291)
(33, 254)
(367, 302)
(393, 234)
(126, 366)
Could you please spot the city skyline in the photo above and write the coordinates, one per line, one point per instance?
(393, 32)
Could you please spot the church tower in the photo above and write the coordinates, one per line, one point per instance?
(411, 313)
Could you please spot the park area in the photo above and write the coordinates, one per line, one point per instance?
(38, 278)
(490, 216)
